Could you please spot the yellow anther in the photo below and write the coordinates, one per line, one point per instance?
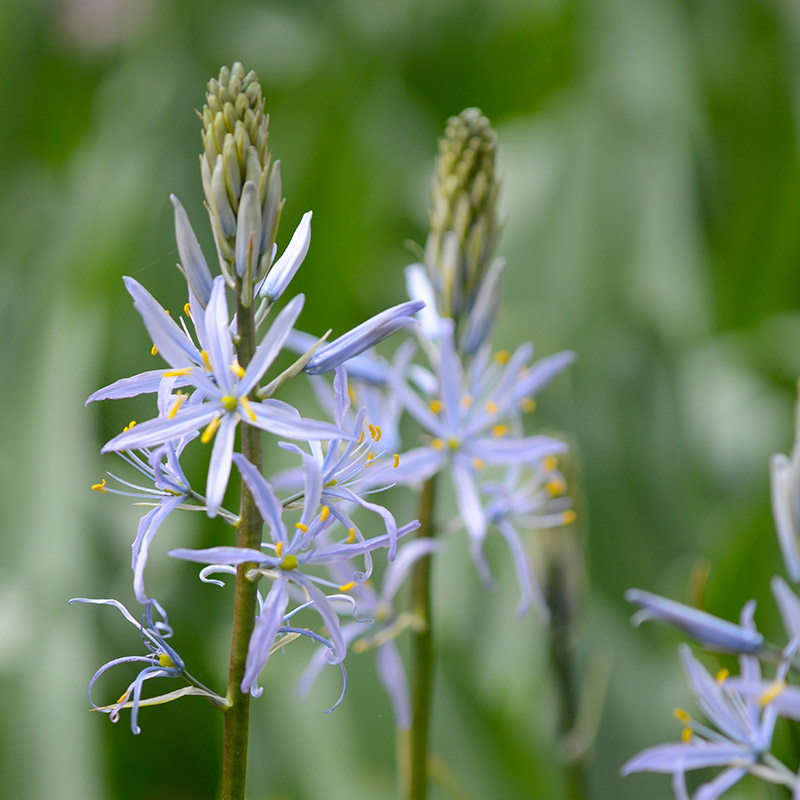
(681, 716)
(177, 373)
(568, 517)
(396, 462)
(435, 406)
(500, 430)
(370, 456)
(129, 425)
(153, 351)
(204, 356)
(722, 676)
(466, 400)
(210, 430)
(248, 409)
(491, 407)
(346, 587)
(438, 444)
(527, 404)
(502, 356)
(100, 487)
(686, 735)
(279, 549)
(351, 535)
(229, 402)
(549, 463)
(324, 514)
(351, 394)
(180, 399)
(361, 438)
(555, 486)
(237, 369)
(301, 526)
(378, 433)
(372, 430)
(187, 309)
(290, 562)
(477, 463)
(167, 310)
(165, 661)
(771, 692)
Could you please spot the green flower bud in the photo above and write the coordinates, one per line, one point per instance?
(463, 218)
(239, 180)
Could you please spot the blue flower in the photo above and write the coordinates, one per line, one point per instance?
(225, 388)
(785, 491)
(286, 565)
(378, 627)
(741, 736)
(162, 662)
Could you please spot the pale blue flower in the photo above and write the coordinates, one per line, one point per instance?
(225, 388)
(283, 270)
(785, 491)
(709, 630)
(287, 564)
(378, 627)
(195, 268)
(740, 737)
(162, 662)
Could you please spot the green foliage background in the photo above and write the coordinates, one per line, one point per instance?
(652, 198)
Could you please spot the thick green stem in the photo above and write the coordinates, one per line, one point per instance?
(422, 661)
(237, 717)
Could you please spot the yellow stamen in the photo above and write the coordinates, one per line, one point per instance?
(180, 399)
(477, 463)
(100, 487)
(438, 444)
(290, 562)
(210, 430)
(372, 430)
(204, 356)
(491, 407)
(686, 735)
(527, 404)
(324, 514)
(153, 351)
(502, 356)
(435, 406)
(187, 309)
(722, 676)
(378, 433)
(500, 430)
(549, 463)
(361, 438)
(165, 661)
(771, 692)
(370, 456)
(568, 517)
(351, 535)
(555, 486)
(177, 373)
(396, 463)
(681, 716)
(346, 587)
(248, 409)
(129, 425)
(301, 526)
(279, 549)
(237, 369)
(466, 400)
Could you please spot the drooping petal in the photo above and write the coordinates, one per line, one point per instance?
(329, 617)
(681, 756)
(528, 586)
(392, 676)
(149, 524)
(265, 631)
(267, 503)
(219, 467)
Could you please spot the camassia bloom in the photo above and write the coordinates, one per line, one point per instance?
(286, 563)
(225, 387)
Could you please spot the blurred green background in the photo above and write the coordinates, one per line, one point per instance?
(652, 198)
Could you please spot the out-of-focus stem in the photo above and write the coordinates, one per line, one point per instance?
(422, 661)
(248, 534)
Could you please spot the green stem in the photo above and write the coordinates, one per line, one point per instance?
(422, 662)
(248, 534)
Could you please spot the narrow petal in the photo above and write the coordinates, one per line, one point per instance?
(329, 617)
(717, 787)
(163, 429)
(273, 418)
(415, 466)
(685, 756)
(284, 269)
(218, 335)
(541, 373)
(399, 569)
(469, 504)
(143, 383)
(392, 676)
(451, 376)
(514, 451)
(198, 275)
(419, 287)
(786, 523)
(148, 526)
(528, 587)
(265, 631)
(267, 503)
(219, 468)
(222, 555)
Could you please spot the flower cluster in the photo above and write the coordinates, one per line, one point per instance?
(741, 710)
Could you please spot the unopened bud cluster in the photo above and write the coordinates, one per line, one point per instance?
(242, 188)
(463, 220)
